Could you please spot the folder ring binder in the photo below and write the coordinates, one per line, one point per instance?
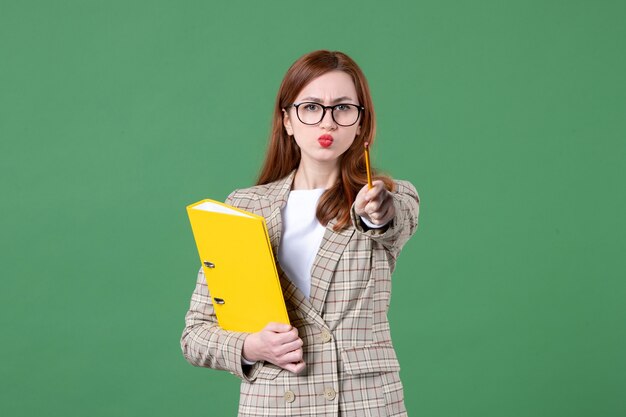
(219, 300)
(209, 264)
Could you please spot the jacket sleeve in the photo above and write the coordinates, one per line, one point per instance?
(205, 344)
(401, 227)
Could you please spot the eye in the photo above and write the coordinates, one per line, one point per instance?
(311, 107)
(342, 107)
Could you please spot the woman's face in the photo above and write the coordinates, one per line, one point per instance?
(326, 141)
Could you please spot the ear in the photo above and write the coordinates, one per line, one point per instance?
(287, 123)
(358, 130)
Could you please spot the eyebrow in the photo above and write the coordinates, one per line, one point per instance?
(337, 100)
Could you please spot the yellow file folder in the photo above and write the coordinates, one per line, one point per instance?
(236, 255)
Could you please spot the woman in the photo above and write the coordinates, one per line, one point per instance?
(336, 242)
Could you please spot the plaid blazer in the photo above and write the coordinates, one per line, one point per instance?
(351, 366)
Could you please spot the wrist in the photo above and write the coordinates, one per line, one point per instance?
(371, 224)
(248, 352)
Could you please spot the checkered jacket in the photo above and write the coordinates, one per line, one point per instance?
(351, 365)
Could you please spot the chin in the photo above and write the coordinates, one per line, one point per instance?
(323, 155)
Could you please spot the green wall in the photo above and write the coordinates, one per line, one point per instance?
(509, 117)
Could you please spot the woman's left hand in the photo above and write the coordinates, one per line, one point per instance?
(375, 204)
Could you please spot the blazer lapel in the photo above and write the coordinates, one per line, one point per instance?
(296, 298)
(325, 264)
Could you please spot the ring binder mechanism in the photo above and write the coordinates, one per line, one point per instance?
(238, 242)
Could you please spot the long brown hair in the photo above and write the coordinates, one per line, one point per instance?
(283, 154)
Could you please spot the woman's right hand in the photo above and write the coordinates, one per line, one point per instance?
(277, 343)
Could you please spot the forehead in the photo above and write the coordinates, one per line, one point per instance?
(329, 86)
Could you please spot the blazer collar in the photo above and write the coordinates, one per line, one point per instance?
(277, 194)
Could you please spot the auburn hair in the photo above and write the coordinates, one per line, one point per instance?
(283, 154)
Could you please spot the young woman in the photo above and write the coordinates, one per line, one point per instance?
(336, 243)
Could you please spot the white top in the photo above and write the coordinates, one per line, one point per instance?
(301, 237)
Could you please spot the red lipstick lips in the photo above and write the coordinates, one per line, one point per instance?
(325, 141)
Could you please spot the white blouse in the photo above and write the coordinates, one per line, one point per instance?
(301, 237)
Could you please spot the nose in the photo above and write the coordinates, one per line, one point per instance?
(327, 121)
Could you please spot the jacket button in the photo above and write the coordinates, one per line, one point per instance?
(329, 393)
(325, 336)
(290, 396)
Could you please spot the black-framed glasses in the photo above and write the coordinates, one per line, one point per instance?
(344, 114)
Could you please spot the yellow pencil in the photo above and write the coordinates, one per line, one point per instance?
(367, 165)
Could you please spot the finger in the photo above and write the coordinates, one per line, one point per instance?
(378, 205)
(385, 212)
(372, 207)
(292, 357)
(360, 201)
(290, 347)
(299, 367)
(286, 337)
(374, 217)
(295, 368)
(296, 344)
(380, 216)
(278, 327)
(377, 183)
(377, 192)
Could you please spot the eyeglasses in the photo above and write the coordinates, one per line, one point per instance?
(311, 113)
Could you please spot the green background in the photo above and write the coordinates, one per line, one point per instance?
(509, 117)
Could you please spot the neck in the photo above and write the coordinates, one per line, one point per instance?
(314, 175)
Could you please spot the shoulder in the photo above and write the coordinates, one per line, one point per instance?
(254, 192)
(245, 198)
(256, 195)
